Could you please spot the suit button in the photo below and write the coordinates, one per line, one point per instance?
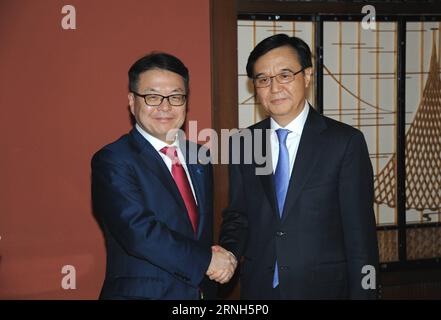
(280, 233)
(284, 267)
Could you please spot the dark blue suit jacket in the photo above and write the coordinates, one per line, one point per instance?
(152, 251)
(327, 232)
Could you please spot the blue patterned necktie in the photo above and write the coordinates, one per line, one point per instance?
(281, 179)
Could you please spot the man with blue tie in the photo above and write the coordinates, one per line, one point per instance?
(305, 230)
(153, 204)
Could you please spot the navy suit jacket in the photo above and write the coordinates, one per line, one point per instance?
(152, 251)
(327, 231)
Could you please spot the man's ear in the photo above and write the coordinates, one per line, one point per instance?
(131, 98)
(308, 76)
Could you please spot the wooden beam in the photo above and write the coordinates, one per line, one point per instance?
(319, 7)
(224, 103)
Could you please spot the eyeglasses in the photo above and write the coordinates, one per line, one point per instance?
(155, 100)
(283, 77)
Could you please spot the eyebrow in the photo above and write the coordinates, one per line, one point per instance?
(282, 70)
(177, 90)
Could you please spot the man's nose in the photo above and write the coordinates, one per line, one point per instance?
(165, 105)
(275, 85)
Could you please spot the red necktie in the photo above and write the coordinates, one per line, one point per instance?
(184, 187)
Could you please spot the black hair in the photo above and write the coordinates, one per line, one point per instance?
(157, 60)
(280, 40)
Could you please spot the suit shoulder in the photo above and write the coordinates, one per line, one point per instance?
(341, 129)
(249, 131)
(263, 124)
(342, 136)
(115, 150)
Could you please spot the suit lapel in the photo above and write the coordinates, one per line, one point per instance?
(196, 172)
(307, 156)
(156, 165)
(197, 179)
(267, 180)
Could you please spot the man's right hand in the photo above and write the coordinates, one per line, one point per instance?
(222, 266)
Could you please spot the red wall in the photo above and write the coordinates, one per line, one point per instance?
(63, 96)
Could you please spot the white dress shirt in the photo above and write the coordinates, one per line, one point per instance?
(293, 139)
(158, 145)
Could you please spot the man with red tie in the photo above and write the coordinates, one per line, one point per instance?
(155, 207)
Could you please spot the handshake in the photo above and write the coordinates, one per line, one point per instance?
(222, 265)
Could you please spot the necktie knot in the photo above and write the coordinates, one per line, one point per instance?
(171, 153)
(282, 134)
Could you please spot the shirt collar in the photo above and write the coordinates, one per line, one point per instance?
(297, 124)
(158, 144)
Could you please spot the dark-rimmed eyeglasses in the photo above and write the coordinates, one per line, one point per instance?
(155, 100)
(282, 77)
